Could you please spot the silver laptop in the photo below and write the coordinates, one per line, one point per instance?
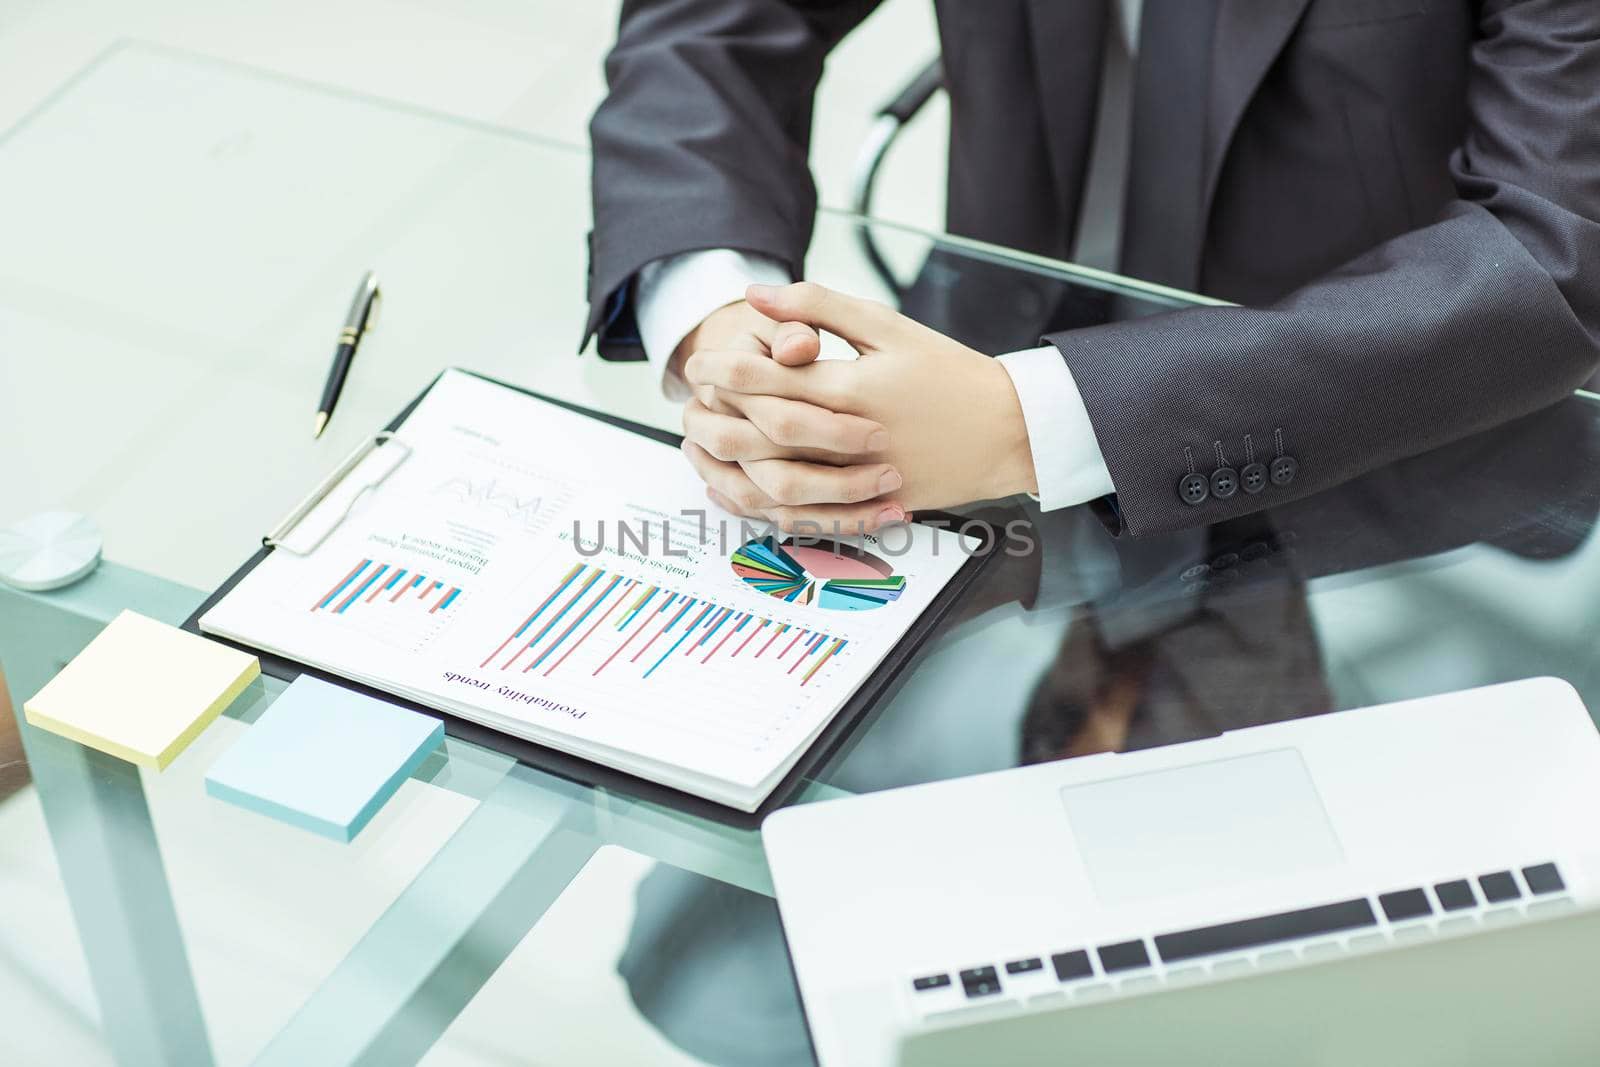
(1406, 884)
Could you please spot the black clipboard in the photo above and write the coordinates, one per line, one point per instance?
(587, 772)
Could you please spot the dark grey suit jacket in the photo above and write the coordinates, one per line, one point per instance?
(1404, 194)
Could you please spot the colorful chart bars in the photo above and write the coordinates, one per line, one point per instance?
(371, 581)
(834, 576)
(625, 625)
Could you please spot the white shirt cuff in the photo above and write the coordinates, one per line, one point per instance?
(673, 295)
(1066, 454)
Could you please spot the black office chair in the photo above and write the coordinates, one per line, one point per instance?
(892, 118)
(986, 306)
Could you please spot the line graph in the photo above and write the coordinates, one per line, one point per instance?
(493, 495)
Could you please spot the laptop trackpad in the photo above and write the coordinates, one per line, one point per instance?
(1201, 827)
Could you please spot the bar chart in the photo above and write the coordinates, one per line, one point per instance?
(603, 624)
(373, 582)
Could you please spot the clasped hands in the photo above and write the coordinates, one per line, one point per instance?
(918, 421)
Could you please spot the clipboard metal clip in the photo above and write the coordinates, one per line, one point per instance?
(278, 536)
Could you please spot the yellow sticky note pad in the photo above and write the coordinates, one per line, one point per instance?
(142, 690)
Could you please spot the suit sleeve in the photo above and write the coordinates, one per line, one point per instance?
(702, 140)
(1491, 312)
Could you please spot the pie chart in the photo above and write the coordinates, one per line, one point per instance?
(825, 573)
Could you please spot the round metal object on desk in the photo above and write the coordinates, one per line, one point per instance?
(48, 551)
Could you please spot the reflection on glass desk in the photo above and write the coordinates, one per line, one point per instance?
(175, 218)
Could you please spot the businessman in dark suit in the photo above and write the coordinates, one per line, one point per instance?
(1403, 195)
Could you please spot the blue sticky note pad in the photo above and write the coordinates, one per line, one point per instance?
(324, 758)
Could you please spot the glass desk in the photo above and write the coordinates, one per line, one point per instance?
(180, 238)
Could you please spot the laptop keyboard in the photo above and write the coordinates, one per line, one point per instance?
(1263, 941)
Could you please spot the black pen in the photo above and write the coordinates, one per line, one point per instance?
(356, 325)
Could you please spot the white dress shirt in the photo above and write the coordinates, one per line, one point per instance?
(673, 295)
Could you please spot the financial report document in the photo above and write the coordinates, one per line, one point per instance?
(567, 582)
